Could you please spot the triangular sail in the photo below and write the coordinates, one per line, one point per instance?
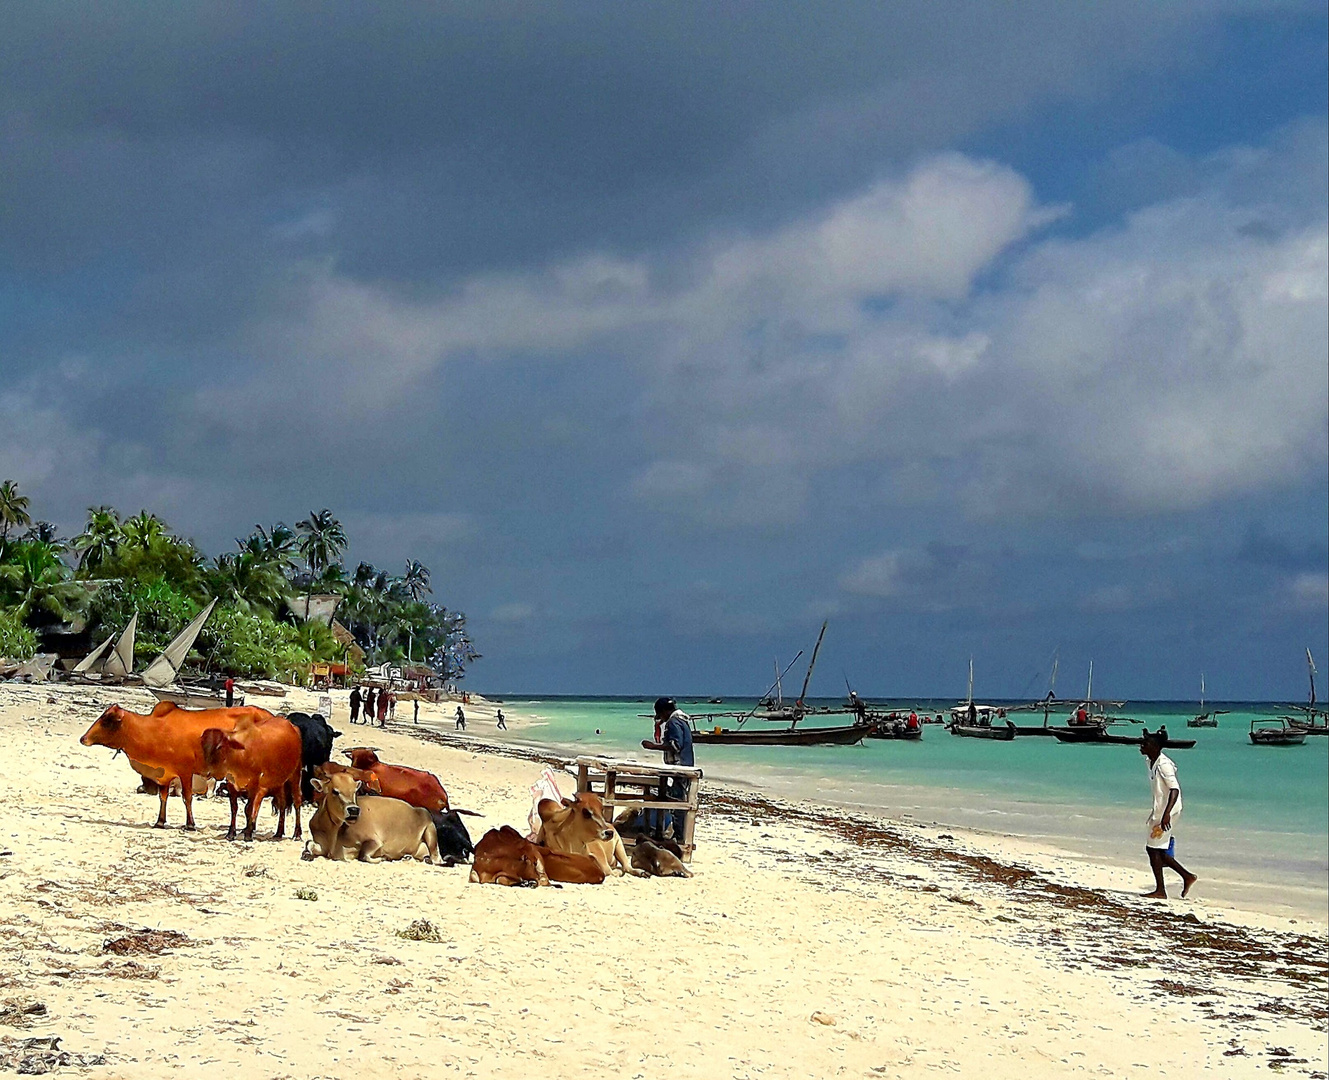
(89, 662)
(121, 661)
(163, 670)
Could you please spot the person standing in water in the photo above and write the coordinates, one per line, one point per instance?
(1162, 817)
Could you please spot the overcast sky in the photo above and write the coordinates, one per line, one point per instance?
(663, 332)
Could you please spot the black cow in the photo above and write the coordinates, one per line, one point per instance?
(454, 842)
(316, 737)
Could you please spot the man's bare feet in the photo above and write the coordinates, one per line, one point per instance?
(1187, 882)
(1157, 894)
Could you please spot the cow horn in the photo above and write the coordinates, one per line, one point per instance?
(468, 813)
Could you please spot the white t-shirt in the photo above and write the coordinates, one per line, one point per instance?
(1163, 779)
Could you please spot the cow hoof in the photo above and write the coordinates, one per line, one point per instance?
(159, 824)
(191, 828)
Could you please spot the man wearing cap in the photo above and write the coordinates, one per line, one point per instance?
(1166, 809)
(673, 735)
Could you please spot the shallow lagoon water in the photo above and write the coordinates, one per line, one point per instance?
(1255, 823)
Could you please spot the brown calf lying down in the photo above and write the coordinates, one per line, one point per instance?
(257, 758)
(505, 857)
(415, 786)
(657, 861)
(370, 828)
(578, 827)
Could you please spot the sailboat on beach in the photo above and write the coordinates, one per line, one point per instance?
(1316, 721)
(108, 664)
(162, 675)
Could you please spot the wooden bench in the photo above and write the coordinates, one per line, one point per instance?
(637, 785)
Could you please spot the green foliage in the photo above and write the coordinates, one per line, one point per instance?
(35, 581)
(163, 609)
(13, 511)
(16, 641)
(253, 643)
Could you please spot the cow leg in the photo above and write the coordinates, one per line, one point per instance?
(298, 797)
(251, 813)
(369, 851)
(164, 792)
(187, 793)
(235, 805)
(280, 799)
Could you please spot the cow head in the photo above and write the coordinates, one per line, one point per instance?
(586, 818)
(105, 730)
(362, 757)
(217, 747)
(338, 795)
(366, 782)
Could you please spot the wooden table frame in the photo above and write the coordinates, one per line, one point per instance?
(638, 785)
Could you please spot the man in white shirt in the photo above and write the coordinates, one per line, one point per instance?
(1163, 815)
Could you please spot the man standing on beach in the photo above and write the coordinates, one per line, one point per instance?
(1166, 809)
(415, 718)
(355, 704)
(461, 719)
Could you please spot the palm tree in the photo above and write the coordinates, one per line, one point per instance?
(46, 533)
(416, 580)
(13, 511)
(100, 539)
(142, 530)
(322, 540)
(37, 579)
(279, 543)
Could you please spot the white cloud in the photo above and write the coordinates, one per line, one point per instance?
(1309, 591)
(513, 614)
(878, 575)
(1172, 359)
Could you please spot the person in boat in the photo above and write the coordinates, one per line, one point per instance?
(859, 707)
(973, 715)
(1081, 715)
(912, 723)
(1163, 814)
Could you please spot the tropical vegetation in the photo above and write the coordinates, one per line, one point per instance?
(118, 566)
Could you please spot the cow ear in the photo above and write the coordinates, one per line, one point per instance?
(569, 802)
(373, 785)
(318, 785)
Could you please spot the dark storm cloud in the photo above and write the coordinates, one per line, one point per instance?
(575, 302)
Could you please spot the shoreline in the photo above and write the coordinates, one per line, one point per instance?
(808, 943)
(1240, 896)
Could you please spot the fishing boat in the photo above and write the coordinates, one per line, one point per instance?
(161, 676)
(1276, 731)
(1205, 719)
(893, 726)
(771, 707)
(969, 720)
(1098, 734)
(109, 664)
(1313, 721)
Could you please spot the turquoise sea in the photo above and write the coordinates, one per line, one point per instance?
(1255, 824)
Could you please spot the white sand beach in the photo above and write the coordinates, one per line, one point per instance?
(808, 944)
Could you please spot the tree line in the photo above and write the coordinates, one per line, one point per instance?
(121, 565)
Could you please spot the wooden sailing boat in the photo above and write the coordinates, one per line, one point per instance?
(972, 721)
(1205, 719)
(162, 674)
(775, 710)
(107, 664)
(1311, 725)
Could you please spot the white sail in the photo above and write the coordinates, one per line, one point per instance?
(121, 661)
(163, 670)
(90, 661)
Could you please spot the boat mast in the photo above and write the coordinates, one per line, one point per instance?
(1310, 664)
(1089, 693)
(779, 690)
(969, 696)
(798, 705)
(1202, 692)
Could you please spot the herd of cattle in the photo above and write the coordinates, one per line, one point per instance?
(367, 810)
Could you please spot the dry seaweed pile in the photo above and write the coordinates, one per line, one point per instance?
(34, 1057)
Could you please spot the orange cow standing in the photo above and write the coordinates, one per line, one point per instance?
(414, 786)
(259, 756)
(170, 739)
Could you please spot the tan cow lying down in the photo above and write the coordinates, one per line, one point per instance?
(370, 828)
(578, 827)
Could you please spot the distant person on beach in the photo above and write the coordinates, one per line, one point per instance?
(461, 719)
(673, 736)
(1160, 845)
(392, 704)
(369, 705)
(355, 704)
(415, 719)
(230, 692)
(502, 721)
(383, 698)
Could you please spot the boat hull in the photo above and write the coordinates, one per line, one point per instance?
(826, 736)
(1004, 733)
(188, 697)
(1098, 737)
(908, 734)
(1032, 729)
(1278, 738)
